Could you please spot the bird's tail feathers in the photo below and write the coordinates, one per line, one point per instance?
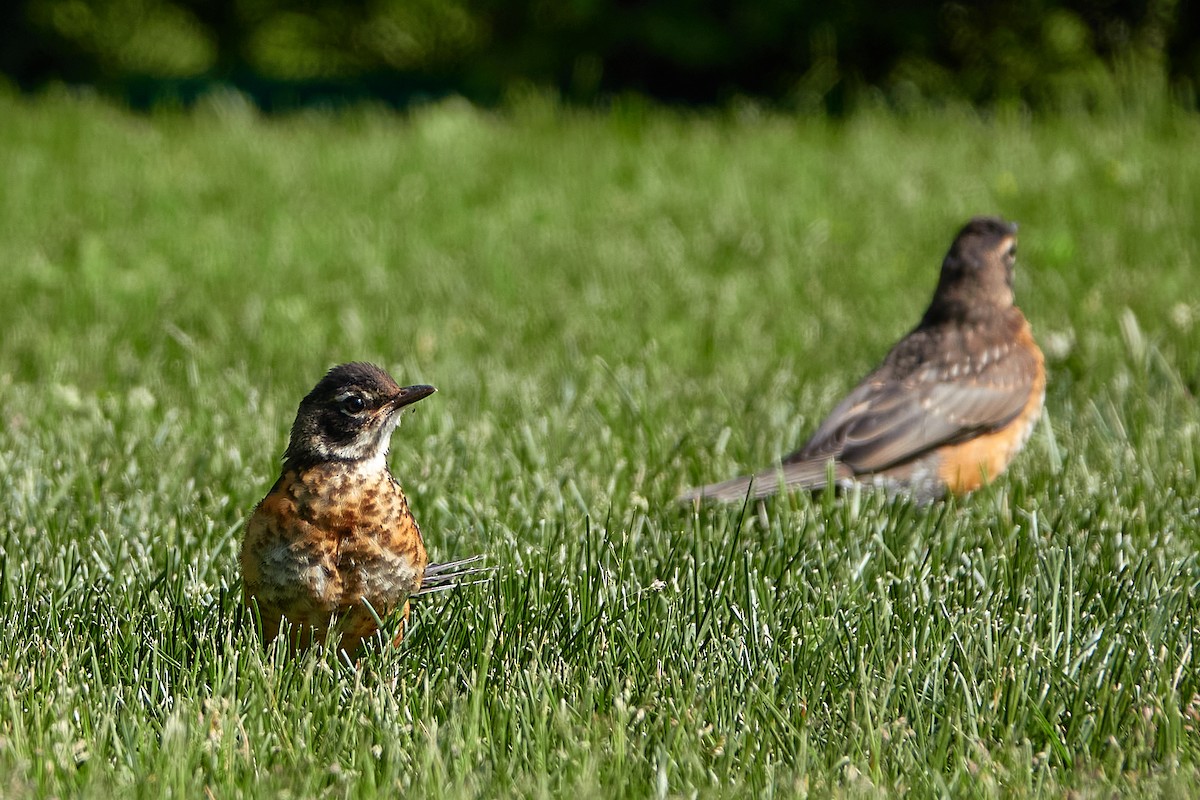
(452, 574)
(812, 475)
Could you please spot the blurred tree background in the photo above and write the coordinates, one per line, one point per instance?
(795, 53)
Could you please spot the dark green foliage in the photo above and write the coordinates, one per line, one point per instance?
(795, 53)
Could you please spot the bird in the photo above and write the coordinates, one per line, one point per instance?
(333, 547)
(950, 406)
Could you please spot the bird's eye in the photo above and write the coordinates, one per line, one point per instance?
(1011, 252)
(354, 404)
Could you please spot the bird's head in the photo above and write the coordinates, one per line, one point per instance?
(977, 273)
(350, 415)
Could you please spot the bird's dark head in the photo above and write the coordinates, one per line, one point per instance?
(977, 272)
(350, 415)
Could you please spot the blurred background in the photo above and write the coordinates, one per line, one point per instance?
(795, 54)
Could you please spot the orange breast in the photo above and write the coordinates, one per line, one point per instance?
(966, 466)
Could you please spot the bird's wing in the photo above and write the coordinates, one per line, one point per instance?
(452, 574)
(891, 418)
(906, 407)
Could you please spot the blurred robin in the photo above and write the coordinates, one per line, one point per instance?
(333, 547)
(952, 403)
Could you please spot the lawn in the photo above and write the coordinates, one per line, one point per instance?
(614, 306)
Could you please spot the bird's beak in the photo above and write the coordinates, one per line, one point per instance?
(411, 394)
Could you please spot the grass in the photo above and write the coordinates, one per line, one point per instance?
(613, 306)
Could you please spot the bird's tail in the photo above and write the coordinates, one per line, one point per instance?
(813, 475)
(452, 574)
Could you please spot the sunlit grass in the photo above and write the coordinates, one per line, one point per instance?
(613, 306)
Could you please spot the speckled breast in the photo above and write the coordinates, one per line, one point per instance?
(325, 539)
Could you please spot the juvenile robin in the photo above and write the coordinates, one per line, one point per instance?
(952, 403)
(333, 547)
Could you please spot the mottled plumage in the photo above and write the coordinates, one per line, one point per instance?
(333, 546)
